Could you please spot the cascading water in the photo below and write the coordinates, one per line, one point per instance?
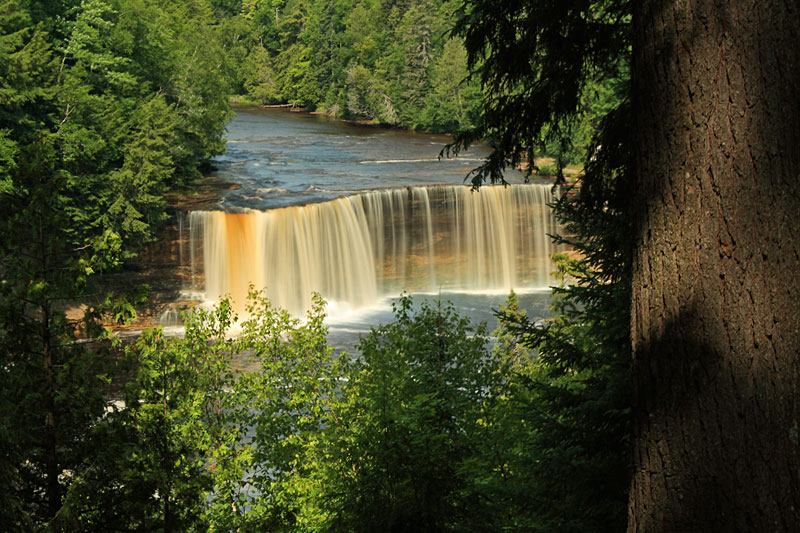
(357, 249)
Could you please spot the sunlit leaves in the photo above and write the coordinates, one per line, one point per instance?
(362, 59)
(89, 140)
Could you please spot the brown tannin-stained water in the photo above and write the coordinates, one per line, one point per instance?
(360, 215)
(358, 249)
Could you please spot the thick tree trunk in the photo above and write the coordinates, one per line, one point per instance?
(716, 266)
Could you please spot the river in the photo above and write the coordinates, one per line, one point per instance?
(360, 214)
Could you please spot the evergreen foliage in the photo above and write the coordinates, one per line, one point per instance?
(539, 77)
(386, 62)
(100, 114)
(542, 66)
(399, 64)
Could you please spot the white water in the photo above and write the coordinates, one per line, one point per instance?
(357, 250)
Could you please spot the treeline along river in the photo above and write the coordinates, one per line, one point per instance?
(360, 214)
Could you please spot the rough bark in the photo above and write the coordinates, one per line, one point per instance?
(716, 266)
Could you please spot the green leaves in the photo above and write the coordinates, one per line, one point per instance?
(260, 79)
(455, 102)
(271, 430)
(536, 60)
(95, 125)
(362, 59)
(425, 428)
(391, 454)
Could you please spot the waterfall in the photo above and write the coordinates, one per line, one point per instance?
(356, 249)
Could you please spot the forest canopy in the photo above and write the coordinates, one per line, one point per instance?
(393, 63)
(105, 106)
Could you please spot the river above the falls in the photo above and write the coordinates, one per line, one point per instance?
(279, 158)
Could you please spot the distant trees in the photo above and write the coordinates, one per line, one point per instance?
(395, 63)
(360, 59)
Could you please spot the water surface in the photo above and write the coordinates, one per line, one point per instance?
(278, 158)
(281, 158)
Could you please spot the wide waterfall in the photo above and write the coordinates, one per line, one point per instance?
(356, 249)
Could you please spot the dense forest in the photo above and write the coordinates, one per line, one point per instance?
(389, 62)
(662, 393)
(392, 63)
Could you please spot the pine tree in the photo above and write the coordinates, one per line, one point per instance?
(716, 347)
(711, 318)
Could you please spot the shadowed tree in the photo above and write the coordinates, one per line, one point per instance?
(713, 126)
(716, 250)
